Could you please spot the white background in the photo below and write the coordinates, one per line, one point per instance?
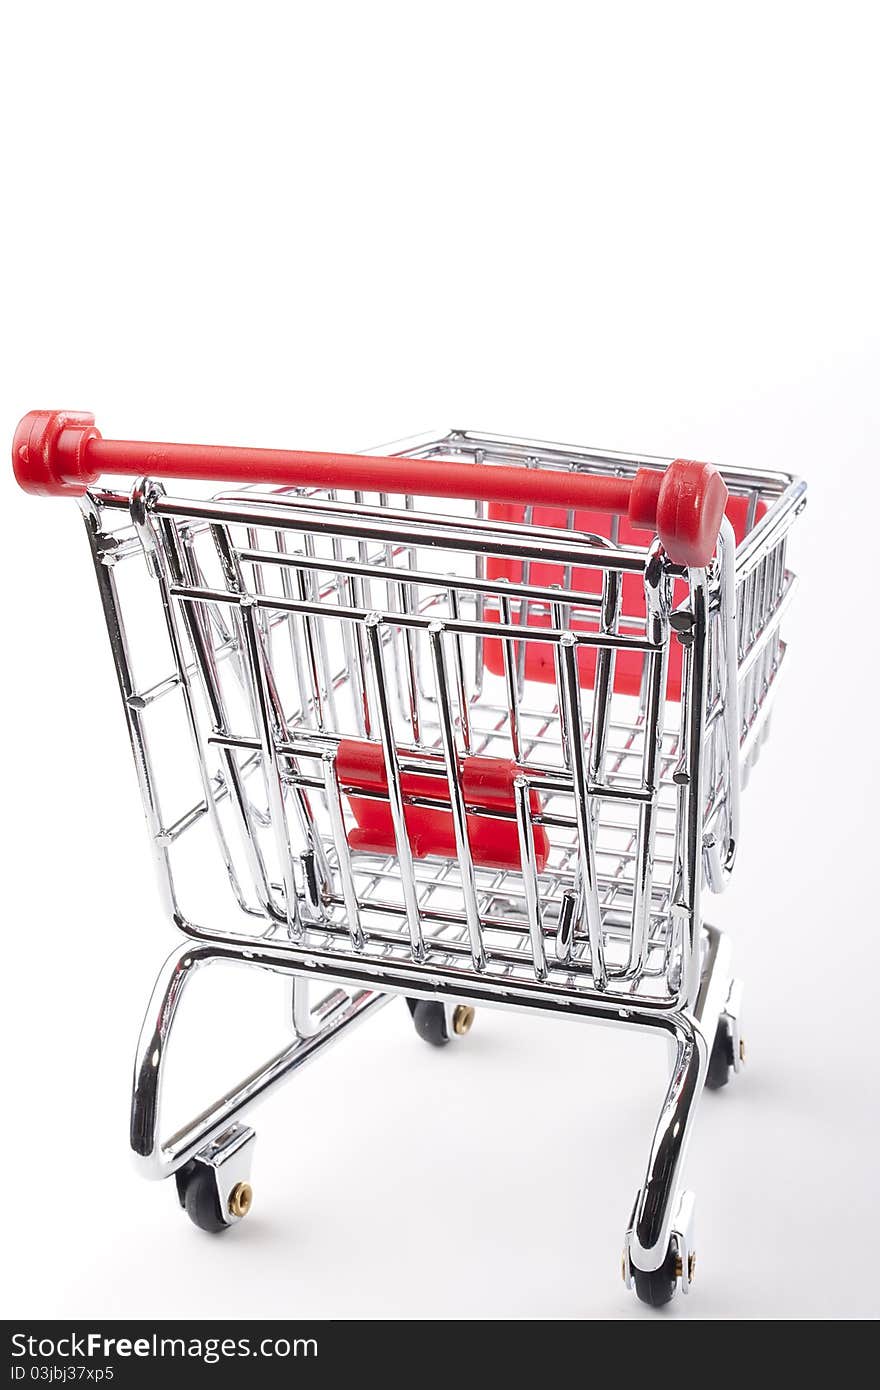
(651, 227)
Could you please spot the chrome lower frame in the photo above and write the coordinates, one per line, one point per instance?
(656, 1218)
(313, 1031)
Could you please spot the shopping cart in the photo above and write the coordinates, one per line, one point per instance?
(465, 721)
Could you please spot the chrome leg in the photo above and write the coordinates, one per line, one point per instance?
(337, 1013)
(648, 1242)
(661, 1227)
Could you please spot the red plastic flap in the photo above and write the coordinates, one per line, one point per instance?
(487, 784)
(627, 664)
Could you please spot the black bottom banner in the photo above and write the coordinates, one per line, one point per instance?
(98, 1353)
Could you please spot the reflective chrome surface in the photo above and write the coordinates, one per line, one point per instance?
(284, 623)
(159, 1158)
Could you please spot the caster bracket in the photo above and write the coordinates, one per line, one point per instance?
(682, 1264)
(228, 1158)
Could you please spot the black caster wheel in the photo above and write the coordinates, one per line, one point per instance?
(197, 1191)
(429, 1019)
(657, 1286)
(721, 1058)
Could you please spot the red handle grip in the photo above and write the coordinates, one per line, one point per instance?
(61, 452)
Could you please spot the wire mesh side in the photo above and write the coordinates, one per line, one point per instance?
(286, 639)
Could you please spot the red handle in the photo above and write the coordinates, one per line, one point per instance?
(61, 452)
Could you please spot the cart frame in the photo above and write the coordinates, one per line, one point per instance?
(727, 625)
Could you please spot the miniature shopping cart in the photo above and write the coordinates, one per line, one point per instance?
(464, 721)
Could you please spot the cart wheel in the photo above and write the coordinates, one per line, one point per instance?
(657, 1286)
(197, 1191)
(429, 1018)
(721, 1059)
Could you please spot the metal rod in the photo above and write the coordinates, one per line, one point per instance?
(464, 720)
(462, 625)
(657, 605)
(570, 713)
(271, 764)
(537, 594)
(510, 680)
(340, 518)
(205, 662)
(689, 778)
(522, 794)
(604, 681)
(343, 854)
(395, 791)
(727, 551)
(410, 639)
(456, 796)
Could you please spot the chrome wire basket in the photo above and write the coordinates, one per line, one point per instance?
(465, 720)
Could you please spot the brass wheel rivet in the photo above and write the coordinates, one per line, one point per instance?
(462, 1019)
(742, 1050)
(241, 1199)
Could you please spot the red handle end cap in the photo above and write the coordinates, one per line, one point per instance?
(49, 452)
(690, 508)
(643, 498)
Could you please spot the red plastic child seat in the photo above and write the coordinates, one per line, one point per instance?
(487, 784)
